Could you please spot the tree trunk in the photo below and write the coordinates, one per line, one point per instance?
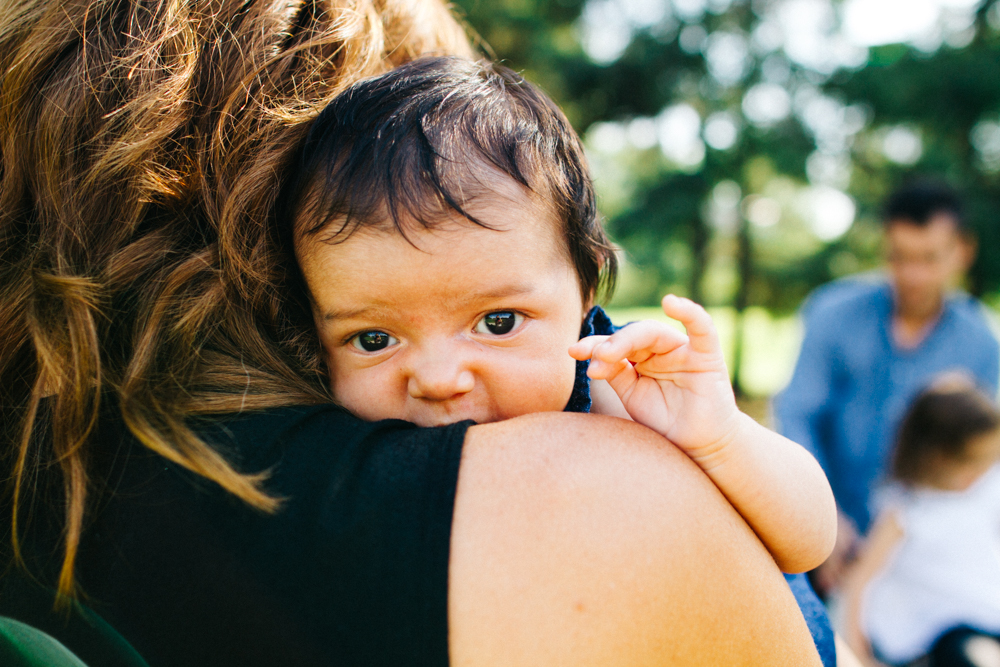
(744, 262)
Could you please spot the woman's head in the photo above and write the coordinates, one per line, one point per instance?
(949, 437)
(139, 147)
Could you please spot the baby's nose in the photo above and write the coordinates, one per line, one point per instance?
(440, 375)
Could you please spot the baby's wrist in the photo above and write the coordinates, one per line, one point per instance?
(735, 434)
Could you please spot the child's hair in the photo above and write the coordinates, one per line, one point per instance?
(421, 142)
(941, 421)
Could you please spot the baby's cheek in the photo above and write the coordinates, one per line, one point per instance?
(366, 400)
(359, 391)
(543, 389)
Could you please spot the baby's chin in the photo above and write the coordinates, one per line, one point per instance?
(436, 417)
(484, 409)
(479, 416)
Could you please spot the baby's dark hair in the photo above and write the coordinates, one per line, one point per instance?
(420, 142)
(941, 421)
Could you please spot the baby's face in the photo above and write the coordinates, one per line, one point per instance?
(458, 322)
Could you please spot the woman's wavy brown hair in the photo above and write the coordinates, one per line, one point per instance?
(141, 143)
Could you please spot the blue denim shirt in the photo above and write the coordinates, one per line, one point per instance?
(597, 323)
(852, 384)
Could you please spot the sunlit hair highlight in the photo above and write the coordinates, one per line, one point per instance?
(140, 147)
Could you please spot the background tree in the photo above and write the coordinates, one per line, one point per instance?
(742, 148)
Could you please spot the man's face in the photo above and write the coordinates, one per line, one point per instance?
(925, 262)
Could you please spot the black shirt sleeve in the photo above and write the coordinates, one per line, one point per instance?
(352, 570)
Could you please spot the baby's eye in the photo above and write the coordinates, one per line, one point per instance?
(373, 341)
(499, 323)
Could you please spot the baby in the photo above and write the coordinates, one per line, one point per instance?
(446, 229)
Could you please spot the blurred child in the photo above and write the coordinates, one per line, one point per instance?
(927, 582)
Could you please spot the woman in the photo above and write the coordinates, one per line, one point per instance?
(168, 435)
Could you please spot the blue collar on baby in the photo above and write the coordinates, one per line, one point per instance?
(596, 323)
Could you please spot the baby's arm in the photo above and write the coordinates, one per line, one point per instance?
(678, 385)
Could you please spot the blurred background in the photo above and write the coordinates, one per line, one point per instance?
(742, 148)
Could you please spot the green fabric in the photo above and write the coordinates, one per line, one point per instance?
(24, 646)
(80, 630)
(114, 644)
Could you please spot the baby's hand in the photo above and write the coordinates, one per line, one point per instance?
(675, 384)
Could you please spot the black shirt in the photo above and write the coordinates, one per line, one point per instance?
(352, 570)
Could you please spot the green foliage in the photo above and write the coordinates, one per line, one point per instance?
(945, 96)
(759, 221)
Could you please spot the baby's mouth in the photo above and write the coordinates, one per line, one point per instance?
(440, 415)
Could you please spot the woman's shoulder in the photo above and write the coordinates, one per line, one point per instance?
(591, 540)
(317, 437)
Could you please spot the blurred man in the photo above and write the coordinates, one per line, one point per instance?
(871, 345)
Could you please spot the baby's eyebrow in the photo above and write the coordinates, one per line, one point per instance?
(348, 313)
(494, 294)
(503, 292)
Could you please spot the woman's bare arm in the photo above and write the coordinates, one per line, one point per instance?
(584, 540)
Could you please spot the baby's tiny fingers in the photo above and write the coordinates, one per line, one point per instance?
(639, 341)
(697, 322)
(583, 349)
(619, 374)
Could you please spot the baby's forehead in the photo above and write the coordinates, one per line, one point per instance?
(471, 194)
(500, 205)
(516, 250)
(479, 187)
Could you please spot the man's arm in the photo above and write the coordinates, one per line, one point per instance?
(988, 373)
(584, 540)
(801, 411)
(802, 407)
